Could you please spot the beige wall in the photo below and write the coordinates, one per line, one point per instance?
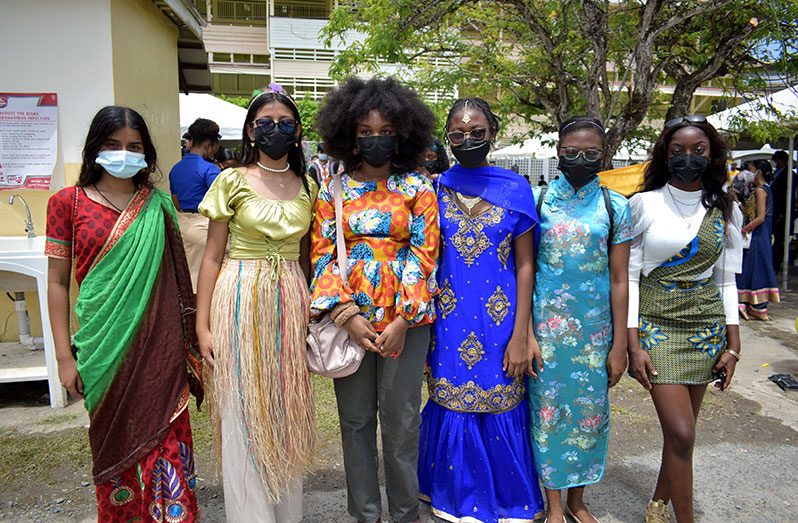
(145, 74)
(91, 53)
(69, 61)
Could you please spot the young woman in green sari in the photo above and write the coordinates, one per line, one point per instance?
(134, 357)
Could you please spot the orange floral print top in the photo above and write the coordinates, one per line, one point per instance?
(392, 237)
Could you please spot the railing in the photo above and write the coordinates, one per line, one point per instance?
(201, 6)
(239, 12)
(238, 84)
(314, 55)
(302, 11)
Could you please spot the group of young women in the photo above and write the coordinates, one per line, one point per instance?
(515, 303)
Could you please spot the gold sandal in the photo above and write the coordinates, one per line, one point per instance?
(657, 512)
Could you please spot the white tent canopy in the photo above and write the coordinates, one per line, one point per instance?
(230, 117)
(779, 105)
(545, 146)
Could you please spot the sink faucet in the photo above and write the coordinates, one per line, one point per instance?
(29, 222)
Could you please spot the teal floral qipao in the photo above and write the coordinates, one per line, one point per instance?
(573, 324)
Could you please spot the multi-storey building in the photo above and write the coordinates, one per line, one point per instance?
(253, 42)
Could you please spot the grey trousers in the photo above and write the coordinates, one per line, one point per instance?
(391, 387)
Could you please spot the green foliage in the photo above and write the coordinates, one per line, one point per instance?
(308, 107)
(241, 101)
(545, 60)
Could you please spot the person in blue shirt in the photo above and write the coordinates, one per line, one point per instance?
(189, 180)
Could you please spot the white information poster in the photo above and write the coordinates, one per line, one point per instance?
(28, 139)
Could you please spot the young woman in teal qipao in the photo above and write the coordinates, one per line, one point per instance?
(580, 306)
(475, 457)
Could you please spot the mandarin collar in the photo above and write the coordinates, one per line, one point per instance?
(565, 191)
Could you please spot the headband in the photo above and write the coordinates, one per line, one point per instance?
(272, 88)
(583, 120)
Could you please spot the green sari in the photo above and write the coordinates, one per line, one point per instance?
(137, 348)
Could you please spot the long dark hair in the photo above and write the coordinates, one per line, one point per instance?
(106, 122)
(766, 168)
(249, 152)
(713, 179)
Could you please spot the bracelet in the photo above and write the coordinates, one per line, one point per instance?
(344, 314)
(734, 353)
(341, 308)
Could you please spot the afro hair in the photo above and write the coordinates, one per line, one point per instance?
(345, 106)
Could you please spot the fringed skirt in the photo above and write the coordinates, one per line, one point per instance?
(260, 391)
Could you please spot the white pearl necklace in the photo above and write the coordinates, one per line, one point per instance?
(283, 170)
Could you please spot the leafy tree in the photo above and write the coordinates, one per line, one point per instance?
(543, 60)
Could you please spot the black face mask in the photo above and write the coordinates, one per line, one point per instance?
(688, 168)
(429, 165)
(273, 143)
(470, 154)
(377, 150)
(579, 172)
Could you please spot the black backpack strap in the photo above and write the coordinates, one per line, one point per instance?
(608, 205)
(539, 203)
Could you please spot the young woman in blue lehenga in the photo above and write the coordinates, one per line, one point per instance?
(475, 457)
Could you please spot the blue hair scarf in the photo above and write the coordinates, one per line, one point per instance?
(497, 186)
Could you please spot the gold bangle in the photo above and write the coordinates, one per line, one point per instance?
(734, 353)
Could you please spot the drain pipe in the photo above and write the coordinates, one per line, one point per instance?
(23, 321)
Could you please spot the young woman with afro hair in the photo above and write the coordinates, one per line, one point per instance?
(378, 128)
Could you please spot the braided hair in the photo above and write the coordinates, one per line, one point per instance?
(482, 105)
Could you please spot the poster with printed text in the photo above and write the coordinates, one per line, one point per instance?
(28, 140)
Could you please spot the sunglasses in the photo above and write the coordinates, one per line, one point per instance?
(693, 118)
(285, 126)
(458, 137)
(572, 153)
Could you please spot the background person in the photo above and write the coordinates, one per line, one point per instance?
(322, 166)
(756, 284)
(781, 220)
(135, 357)
(433, 160)
(683, 317)
(189, 180)
(226, 158)
(378, 128)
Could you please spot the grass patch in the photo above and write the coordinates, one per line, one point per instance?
(58, 419)
(28, 456)
(326, 410)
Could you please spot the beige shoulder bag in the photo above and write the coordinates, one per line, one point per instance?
(330, 351)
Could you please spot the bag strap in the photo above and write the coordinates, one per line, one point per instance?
(340, 244)
(539, 203)
(608, 205)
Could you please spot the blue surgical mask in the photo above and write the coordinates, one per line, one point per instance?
(121, 164)
(322, 157)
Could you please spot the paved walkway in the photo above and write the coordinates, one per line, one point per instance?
(745, 462)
